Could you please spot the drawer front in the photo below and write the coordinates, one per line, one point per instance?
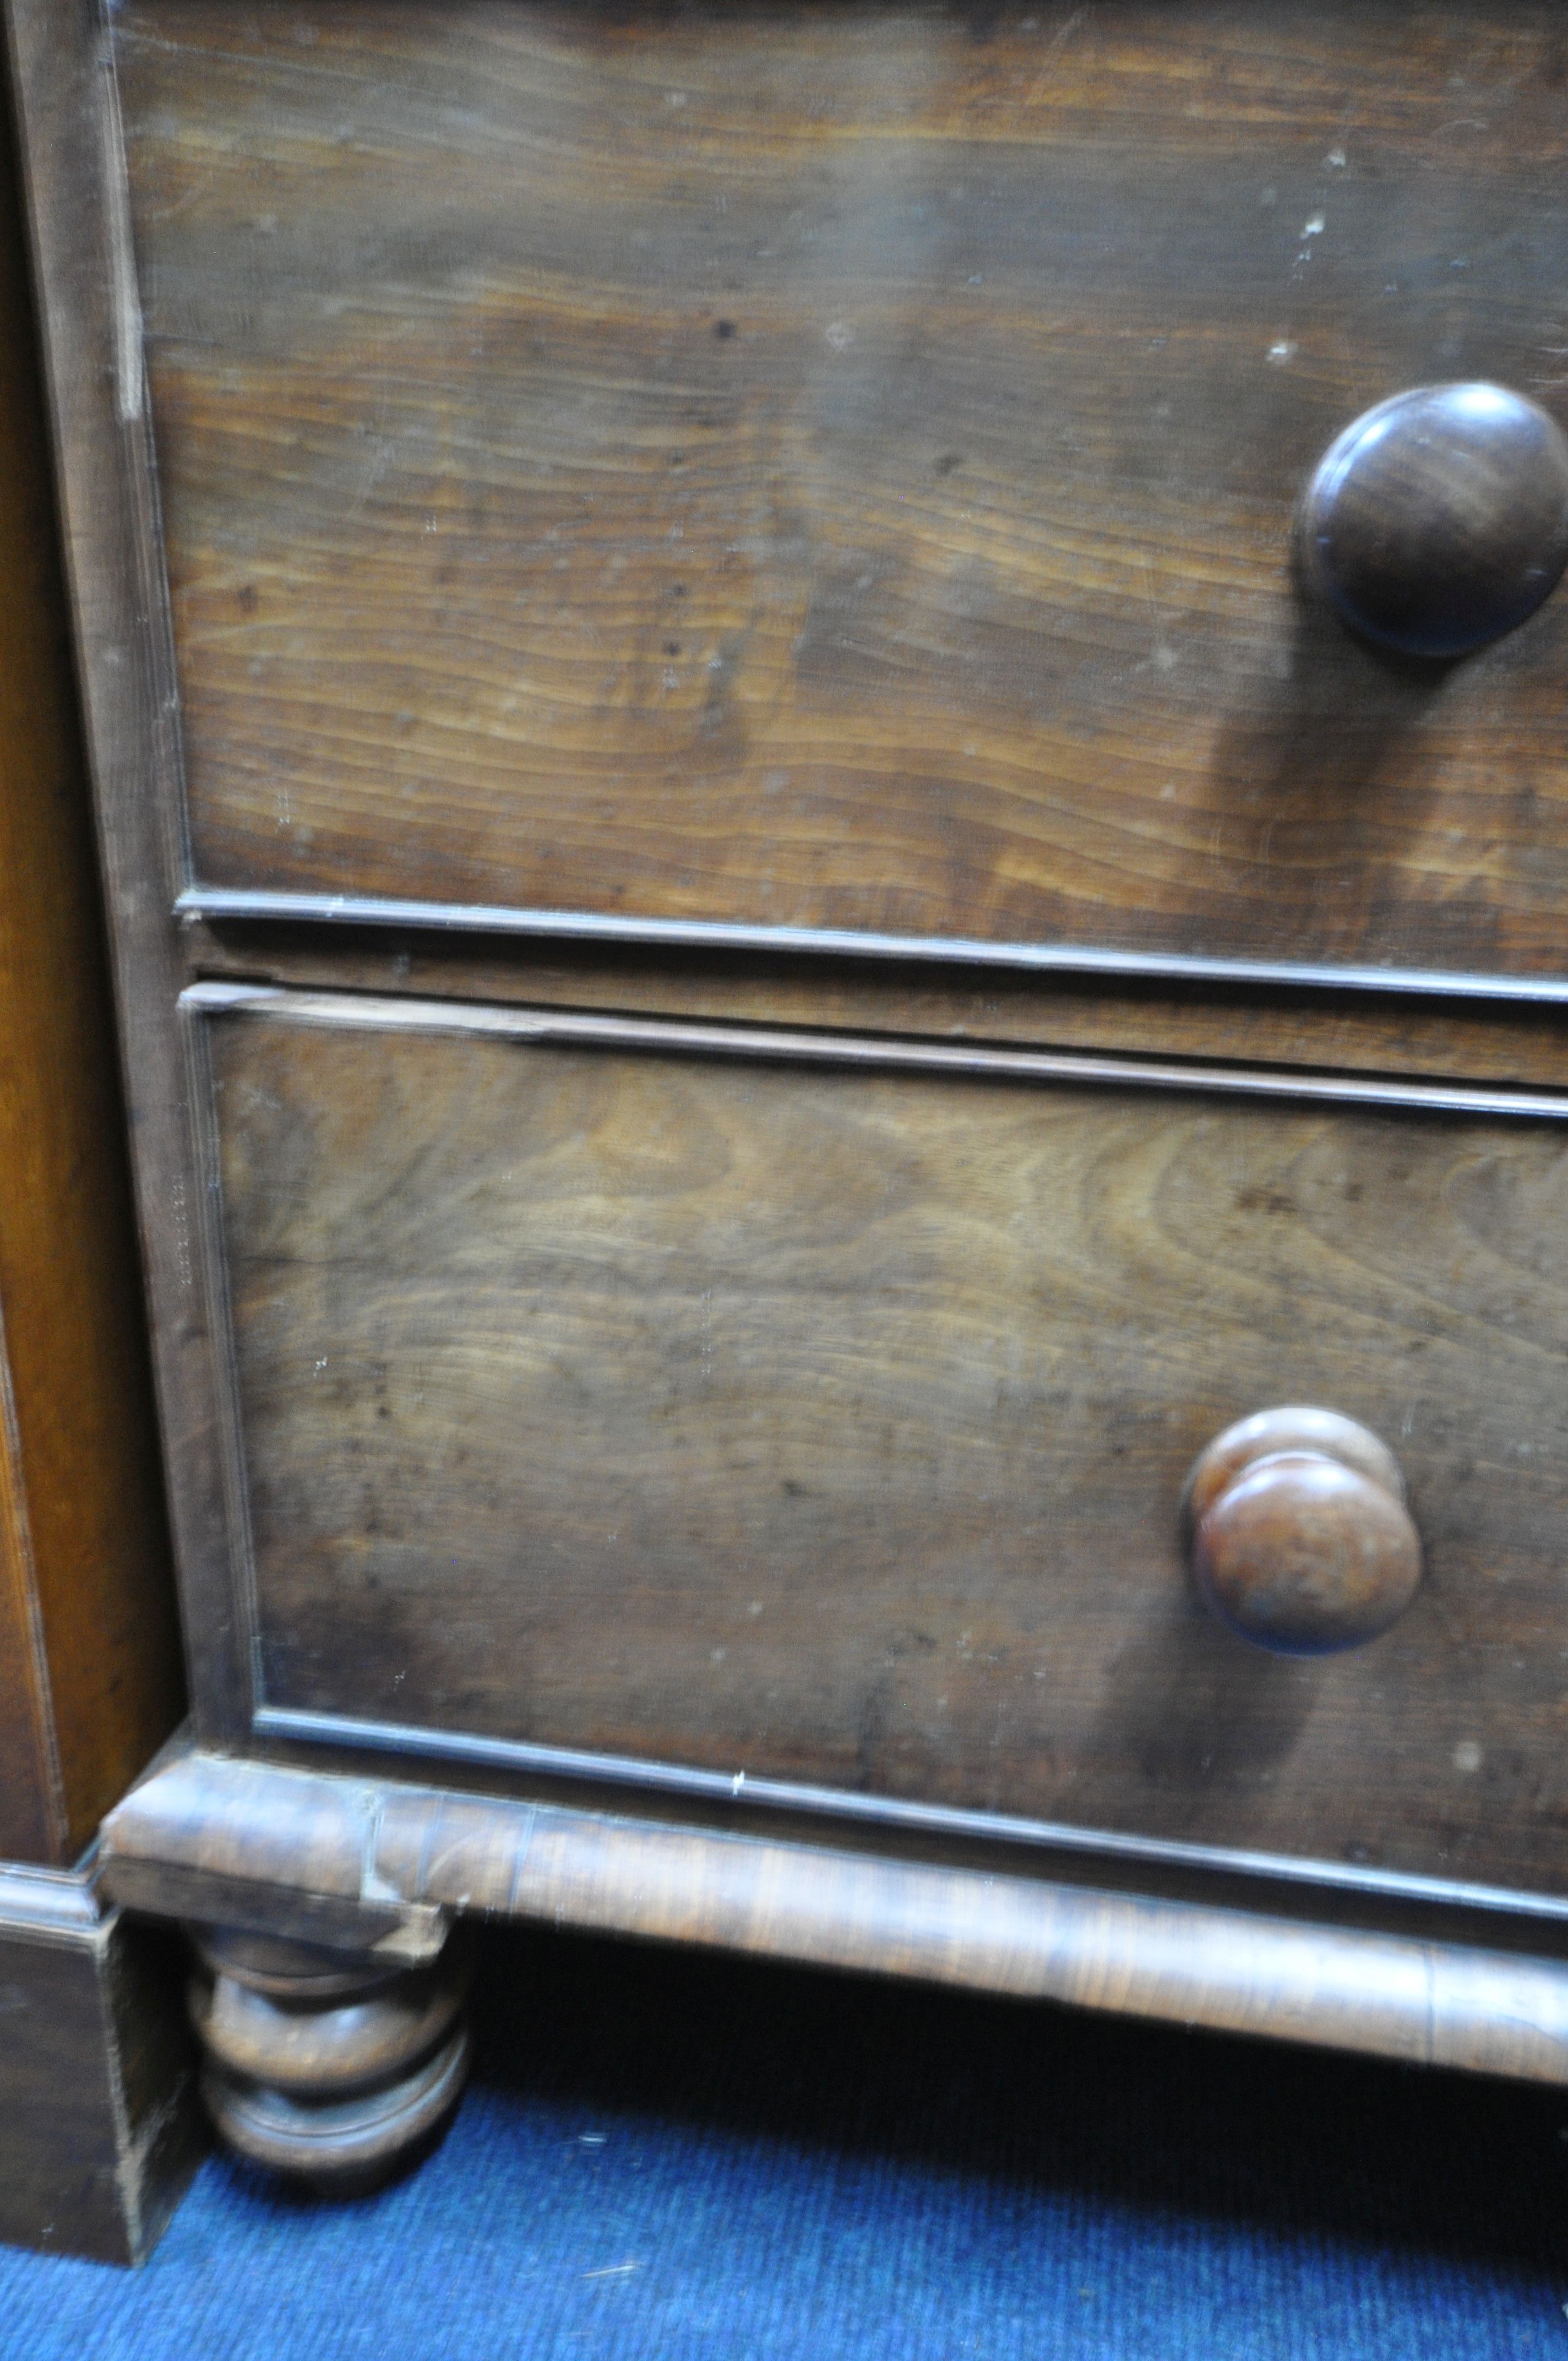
(829, 1425)
(835, 468)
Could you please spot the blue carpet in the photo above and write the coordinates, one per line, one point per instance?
(668, 2157)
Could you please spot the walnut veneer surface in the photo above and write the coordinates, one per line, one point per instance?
(827, 465)
(772, 956)
(832, 1424)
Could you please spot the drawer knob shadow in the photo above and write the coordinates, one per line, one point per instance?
(1438, 521)
(1297, 1533)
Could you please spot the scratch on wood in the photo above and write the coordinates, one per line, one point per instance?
(373, 1884)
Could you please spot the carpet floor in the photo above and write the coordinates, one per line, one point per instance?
(665, 2157)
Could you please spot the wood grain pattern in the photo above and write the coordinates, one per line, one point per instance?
(825, 468)
(1471, 1041)
(833, 1426)
(1300, 1536)
(837, 468)
(32, 1807)
(89, 329)
(97, 2073)
(1431, 2002)
(329, 2065)
(1438, 521)
(85, 1589)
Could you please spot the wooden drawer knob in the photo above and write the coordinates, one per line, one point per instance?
(1298, 1533)
(1438, 520)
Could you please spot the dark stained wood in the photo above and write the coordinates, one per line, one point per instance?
(563, 1029)
(1438, 520)
(836, 467)
(90, 334)
(833, 1426)
(87, 1626)
(32, 1816)
(1366, 1032)
(1300, 1535)
(329, 2066)
(1392, 1995)
(832, 467)
(390, 2017)
(101, 2128)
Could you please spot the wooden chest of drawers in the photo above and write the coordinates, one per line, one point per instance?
(786, 926)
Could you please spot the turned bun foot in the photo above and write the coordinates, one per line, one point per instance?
(332, 2066)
